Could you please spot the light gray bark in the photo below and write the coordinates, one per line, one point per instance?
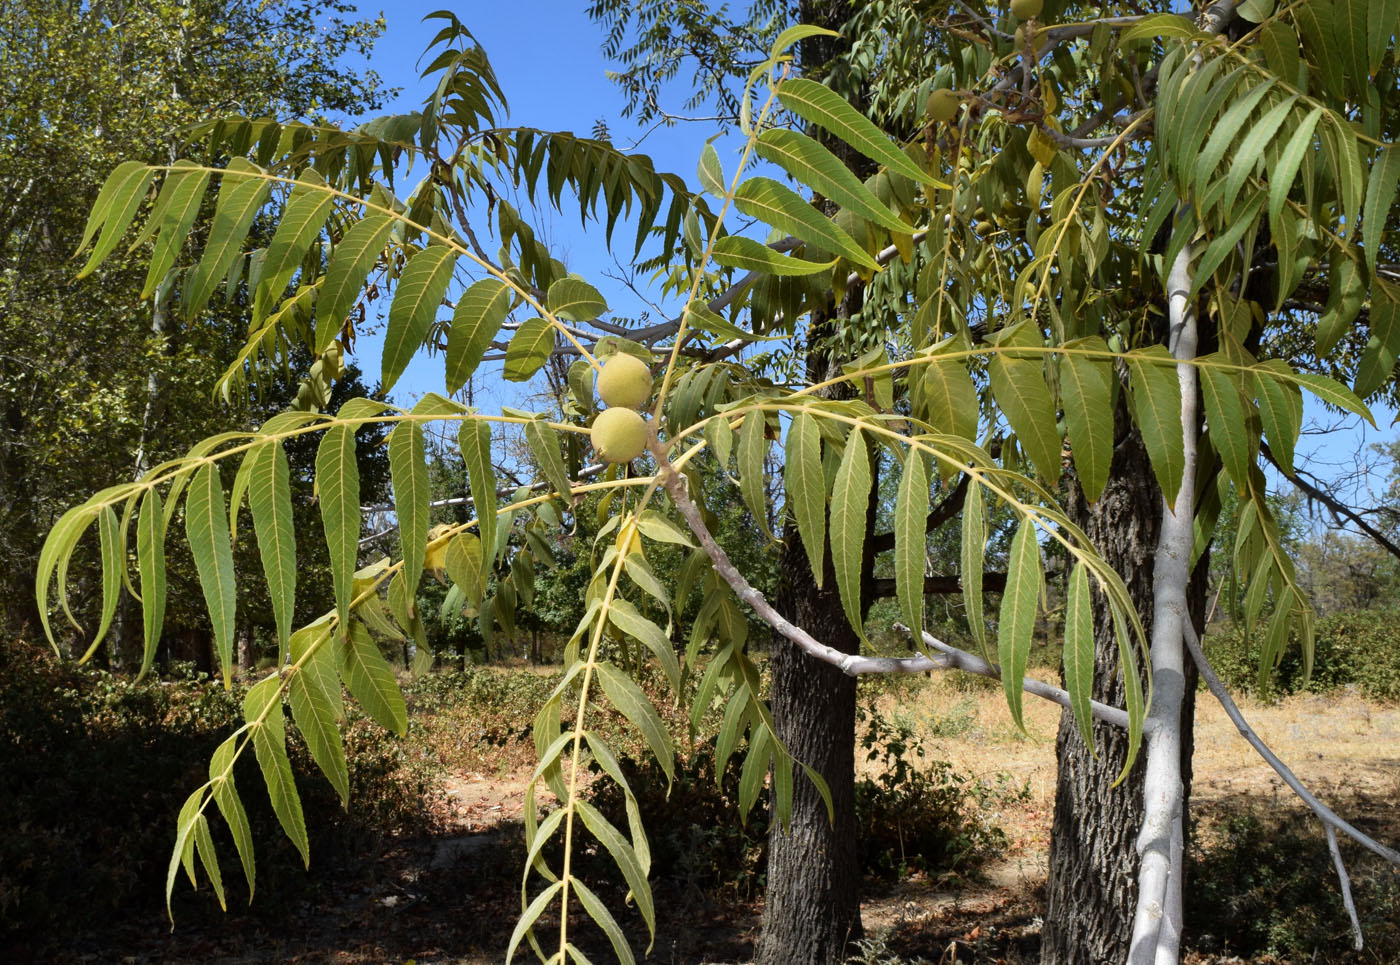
(1157, 921)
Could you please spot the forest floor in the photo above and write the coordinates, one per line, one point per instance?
(453, 896)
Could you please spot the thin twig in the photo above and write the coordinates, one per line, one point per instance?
(1324, 813)
(1358, 941)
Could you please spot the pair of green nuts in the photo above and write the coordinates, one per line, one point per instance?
(619, 432)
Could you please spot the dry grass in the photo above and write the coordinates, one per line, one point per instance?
(1345, 748)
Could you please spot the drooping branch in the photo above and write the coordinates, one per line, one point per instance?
(948, 657)
(848, 663)
(1326, 815)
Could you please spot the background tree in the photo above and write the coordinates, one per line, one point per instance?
(86, 86)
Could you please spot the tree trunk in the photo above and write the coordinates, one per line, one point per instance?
(1092, 890)
(812, 909)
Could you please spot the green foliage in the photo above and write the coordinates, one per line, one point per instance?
(1355, 649)
(1043, 329)
(131, 385)
(917, 816)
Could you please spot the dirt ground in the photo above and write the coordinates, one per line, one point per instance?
(453, 897)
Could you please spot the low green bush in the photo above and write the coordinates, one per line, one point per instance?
(95, 770)
(1360, 649)
(915, 816)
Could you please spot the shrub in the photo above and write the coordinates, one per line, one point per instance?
(1359, 648)
(96, 768)
(915, 818)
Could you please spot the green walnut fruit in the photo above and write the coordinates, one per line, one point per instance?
(984, 229)
(943, 105)
(1026, 9)
(625, 381)
(619, 434)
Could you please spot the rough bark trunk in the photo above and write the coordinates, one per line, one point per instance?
(812, 909)
(812, 904)
(1093, 865)
(1092, 889)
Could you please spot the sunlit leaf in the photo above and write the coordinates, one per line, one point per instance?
(420, 292)
(1016, 626)
(270, 499)
(338, 485)
(850, 501)
(806, 489)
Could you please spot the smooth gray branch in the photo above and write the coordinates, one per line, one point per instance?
(849, 663)
(955, 659)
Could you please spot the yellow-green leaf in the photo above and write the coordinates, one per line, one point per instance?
(370, 679)
(150, 557)
(805, 486)
(1079, 652)
(1085, 389)
(770, 202)
(243, 191)
(301, 223)
(529, 349)
(270, 499)
(213, 559)
(350, 264)
(850, 500)
(1018, 385)
(474, 440)
(575, 300)
(225, 795)
(173, 217)
(117, 203)
(1016, 626)
(1280, 409)
(1228, 414)
(420, 291)
(910, 541)
(1383, 345)
(1157, 408)
(480, 312)
(973, 553)
(753, 448)
(408, 469)
(736, 251)
(633, 704)
(338, 486)
(262, 709)
(820, 105)
(820, 170)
